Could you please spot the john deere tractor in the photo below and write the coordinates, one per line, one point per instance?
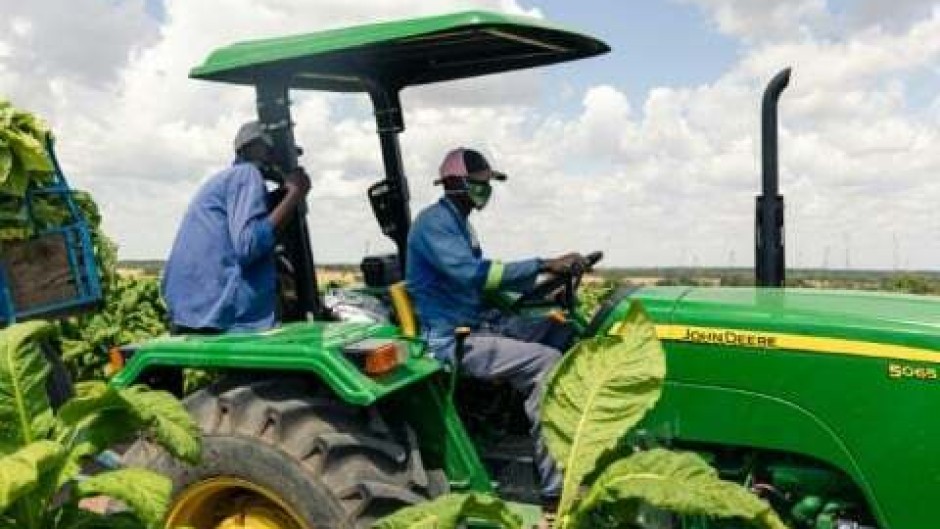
(823, 401)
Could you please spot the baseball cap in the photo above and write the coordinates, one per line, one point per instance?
(251, 131)
(463, 162)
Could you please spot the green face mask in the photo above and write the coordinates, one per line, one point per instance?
(479, 193)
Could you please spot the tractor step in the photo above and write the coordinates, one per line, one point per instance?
(511, 463)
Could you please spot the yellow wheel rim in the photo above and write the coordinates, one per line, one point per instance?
(232, 503)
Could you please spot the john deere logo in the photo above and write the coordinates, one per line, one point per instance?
(730, 337)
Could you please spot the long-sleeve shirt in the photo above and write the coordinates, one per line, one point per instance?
(447, 273)
(221, 272)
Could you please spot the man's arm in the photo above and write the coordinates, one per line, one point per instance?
(297, 185)
(517, 276)
(520, 276)
(250, 230)
(251, 227)
(447, 249)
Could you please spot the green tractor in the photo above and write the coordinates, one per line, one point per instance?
(820, 401)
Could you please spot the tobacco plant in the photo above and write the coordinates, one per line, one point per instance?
(42, 451)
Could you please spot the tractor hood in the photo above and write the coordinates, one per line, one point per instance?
(400, 53)
(850, 317)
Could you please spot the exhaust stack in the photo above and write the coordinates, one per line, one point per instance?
(770, 261)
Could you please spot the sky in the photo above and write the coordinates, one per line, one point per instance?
(650, 153)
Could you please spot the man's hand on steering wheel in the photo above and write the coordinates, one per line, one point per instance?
(562, 280)
(564, 264)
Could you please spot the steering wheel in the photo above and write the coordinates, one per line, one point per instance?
(569, 281)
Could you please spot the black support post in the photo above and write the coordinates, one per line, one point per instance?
(274, 115)
(390, 123)
(770, 258)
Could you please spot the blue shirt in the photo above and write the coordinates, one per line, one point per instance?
(447, 274)
(221, 272)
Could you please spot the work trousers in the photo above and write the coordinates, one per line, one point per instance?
(511, 351)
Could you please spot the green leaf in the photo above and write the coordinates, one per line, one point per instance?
(30, 124)
(6, 162)
(6, 114)
(146, 493)
(29, 150)
(23, 156)
(169, 422)
(102, 415)
(25, 414)
(20, 471)
(681, 483)
(597, 393)
(447, 511)
(105, 429)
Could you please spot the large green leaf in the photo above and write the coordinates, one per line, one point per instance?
(447, 511)
(146, 493)
(597, 393)
(25, 414)
(20, 471)
(680, 483)
(101, 415)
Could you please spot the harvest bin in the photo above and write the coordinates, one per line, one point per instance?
(53, 273)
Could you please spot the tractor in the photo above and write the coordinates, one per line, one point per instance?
(819, 400)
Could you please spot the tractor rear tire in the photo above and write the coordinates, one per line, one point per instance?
(299, 452)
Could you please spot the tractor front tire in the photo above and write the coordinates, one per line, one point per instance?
(280, 453)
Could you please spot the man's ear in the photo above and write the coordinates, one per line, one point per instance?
(452, 183)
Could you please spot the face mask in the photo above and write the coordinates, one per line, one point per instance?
(479, 193)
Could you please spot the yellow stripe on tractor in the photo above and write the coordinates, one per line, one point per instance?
(789, 342)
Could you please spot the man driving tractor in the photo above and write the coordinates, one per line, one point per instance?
(448, 277)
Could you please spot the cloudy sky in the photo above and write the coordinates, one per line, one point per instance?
(650, 153)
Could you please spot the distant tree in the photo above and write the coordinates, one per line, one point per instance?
(911, 283)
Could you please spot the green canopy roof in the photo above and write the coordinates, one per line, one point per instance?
(400, 53)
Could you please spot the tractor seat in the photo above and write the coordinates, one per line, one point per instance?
(403, 309)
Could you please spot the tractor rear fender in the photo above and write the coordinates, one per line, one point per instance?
(316, 348)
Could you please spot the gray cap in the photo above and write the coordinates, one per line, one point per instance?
(251, 131)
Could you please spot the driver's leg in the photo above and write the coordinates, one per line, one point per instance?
(526, 366)
(540, 329)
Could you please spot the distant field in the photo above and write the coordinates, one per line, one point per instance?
(915, 282)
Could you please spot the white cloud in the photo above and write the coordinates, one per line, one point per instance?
(667, 177)
(764, 19)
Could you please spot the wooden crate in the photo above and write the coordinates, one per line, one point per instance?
(39, 276)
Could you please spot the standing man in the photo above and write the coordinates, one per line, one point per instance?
(220, 275)
(447, 277)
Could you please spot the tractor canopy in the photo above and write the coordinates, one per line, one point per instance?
(380, 60)
(400, 53)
